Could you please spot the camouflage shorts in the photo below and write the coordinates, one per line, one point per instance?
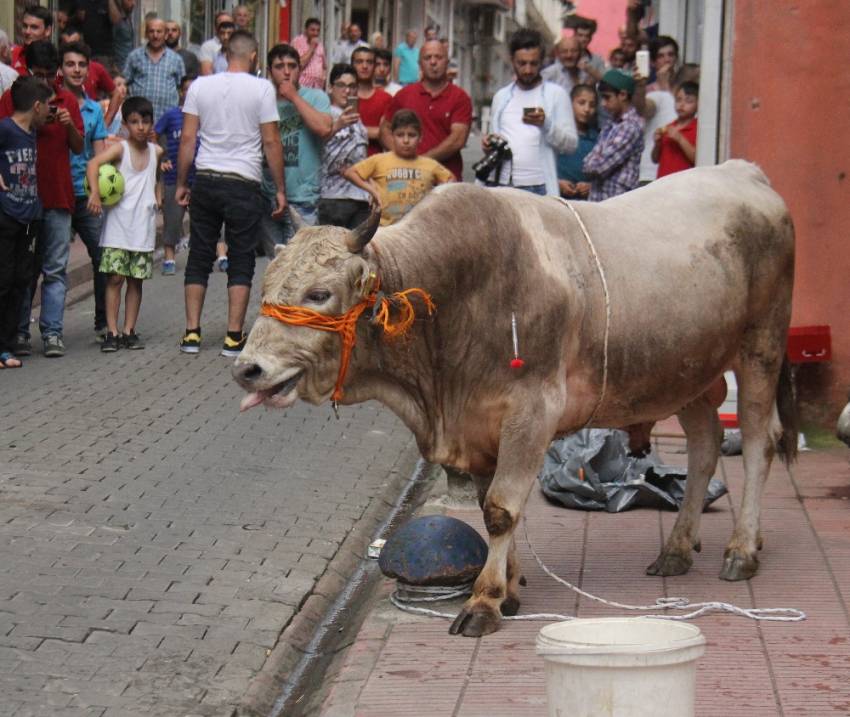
(135, 264)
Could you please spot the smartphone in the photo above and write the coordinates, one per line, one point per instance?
(642, 62)
(52, 111)
(352, 103)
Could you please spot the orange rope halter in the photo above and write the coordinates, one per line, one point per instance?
(345, 325)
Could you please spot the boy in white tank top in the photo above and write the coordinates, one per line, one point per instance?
(129, 231)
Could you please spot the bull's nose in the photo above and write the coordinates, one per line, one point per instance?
(246, 373)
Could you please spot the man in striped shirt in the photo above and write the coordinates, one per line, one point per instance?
(312, 52)
(154, 71)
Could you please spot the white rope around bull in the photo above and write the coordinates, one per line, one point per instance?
(414, 594)
(604, 281)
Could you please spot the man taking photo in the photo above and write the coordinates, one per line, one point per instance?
(535, 118)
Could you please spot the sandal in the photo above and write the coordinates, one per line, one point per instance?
(8, 360)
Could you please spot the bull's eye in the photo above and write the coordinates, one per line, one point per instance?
(318, 296)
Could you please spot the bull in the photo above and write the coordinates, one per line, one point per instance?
(628, 311)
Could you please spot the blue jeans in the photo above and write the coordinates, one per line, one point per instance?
(88, 226)
(51, 261)
(280, 231)
(534, 189)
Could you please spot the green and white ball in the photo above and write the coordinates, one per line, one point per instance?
(110, 183)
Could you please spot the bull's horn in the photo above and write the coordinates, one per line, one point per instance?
(362, 234)
(296, 219)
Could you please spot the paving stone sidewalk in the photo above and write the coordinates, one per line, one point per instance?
(155, 542)
(401, 664)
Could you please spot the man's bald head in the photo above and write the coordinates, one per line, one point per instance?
(431, 46)
(433, 61)
(569, 52)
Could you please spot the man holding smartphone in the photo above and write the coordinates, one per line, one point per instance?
(536, 119)
(305, 123)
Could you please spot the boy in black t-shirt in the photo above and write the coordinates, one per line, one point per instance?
(20, 207)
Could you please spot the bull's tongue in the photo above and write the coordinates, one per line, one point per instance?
(251, 400)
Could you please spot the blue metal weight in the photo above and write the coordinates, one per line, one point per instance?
(433, 550)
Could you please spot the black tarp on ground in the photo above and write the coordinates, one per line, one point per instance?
(591, 470)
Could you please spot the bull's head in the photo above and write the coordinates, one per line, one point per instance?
(323, 269)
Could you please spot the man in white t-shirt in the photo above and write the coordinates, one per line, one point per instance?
(536, 119)
(234, 116)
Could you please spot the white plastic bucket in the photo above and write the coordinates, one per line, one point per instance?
(620, 667)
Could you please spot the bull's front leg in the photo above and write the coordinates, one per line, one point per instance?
(522, 446)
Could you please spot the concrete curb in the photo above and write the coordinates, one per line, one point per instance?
(266, 687)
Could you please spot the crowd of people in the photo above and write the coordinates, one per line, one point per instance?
(326, 137)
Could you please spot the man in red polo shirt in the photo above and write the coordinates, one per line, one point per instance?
(60, 135)
(36, 24)
(444, 109)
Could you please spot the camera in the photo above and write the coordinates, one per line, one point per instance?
(497, 155)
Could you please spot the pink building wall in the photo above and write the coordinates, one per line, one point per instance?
(789, 114)
(610, 15)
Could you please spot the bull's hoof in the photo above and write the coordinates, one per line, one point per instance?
(475, 624)
(698, 546)
(670, 564)
(739, 567)
(522, 580)
(509, 606)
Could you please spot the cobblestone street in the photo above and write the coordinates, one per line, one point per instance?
(155, 541)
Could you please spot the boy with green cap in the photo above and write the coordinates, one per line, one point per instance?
(613, 165)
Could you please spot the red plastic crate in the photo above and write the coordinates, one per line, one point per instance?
(807, 344)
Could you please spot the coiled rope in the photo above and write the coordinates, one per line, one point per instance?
(405, 596)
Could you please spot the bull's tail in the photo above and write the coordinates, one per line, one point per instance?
(786, 406)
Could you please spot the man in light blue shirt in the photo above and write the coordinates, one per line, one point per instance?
(406, 60)
(305, 123)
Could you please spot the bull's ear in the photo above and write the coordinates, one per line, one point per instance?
(361, 235)
(363, 278)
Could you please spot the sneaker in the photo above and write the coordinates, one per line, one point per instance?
(169, 267)
(232, 348)
(22, 345)
(182, 245)
(221, 264)
(111, 343)
(191, 343)
(132, 341)
(53, 346)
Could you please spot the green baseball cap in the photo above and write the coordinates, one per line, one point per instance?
(619, 80)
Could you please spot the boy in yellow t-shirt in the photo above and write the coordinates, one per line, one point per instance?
(398, 180)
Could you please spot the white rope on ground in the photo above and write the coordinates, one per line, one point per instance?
(405, 594)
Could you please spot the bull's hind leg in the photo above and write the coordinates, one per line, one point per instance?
(522, 444)
(757, 376)
(699, 420)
